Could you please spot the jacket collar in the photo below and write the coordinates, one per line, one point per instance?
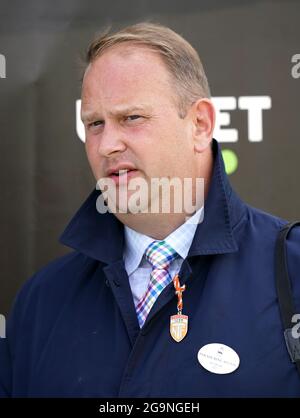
(101, 236)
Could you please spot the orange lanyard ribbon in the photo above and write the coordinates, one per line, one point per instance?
(178, 290)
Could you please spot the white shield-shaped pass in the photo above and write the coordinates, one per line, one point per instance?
(178, 327)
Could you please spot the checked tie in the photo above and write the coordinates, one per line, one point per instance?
(160, 255)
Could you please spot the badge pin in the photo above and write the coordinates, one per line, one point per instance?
(178, 327)
(218, 358)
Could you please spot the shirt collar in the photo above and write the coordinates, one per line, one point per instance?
(180, 240)
(101, 236)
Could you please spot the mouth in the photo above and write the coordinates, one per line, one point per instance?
(122, 176)
(121, 172)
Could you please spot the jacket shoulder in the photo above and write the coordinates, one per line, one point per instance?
(57, 272)
(269, 220)
(266, 227)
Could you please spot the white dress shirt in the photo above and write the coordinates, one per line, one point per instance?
(136, 264)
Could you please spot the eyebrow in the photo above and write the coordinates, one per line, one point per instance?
(88, 116)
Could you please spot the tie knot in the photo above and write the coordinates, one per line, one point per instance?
(160, 254)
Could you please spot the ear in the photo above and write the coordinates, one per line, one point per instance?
(203, 112)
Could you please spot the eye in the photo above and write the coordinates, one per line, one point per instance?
(132, 117)
(96, 126)
(96, 123)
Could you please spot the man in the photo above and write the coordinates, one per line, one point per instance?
(153, 303)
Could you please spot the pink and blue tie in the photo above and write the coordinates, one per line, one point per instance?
(160, 255)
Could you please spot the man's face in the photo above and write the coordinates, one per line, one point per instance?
(131, 118)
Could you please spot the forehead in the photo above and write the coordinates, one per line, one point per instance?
(126, 73)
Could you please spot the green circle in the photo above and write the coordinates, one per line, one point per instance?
(230, 161)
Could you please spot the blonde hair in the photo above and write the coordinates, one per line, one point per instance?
(181, 59)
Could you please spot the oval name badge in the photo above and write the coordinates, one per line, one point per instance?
(218, 358)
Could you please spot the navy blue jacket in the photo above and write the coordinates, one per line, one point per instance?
(73, 330)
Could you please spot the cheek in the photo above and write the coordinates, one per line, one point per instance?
(91, 149)
(159, 160)
(92, 155)
(175, 156)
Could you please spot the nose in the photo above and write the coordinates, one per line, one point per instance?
(112, 140)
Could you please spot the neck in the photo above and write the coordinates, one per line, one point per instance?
(157, 226)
